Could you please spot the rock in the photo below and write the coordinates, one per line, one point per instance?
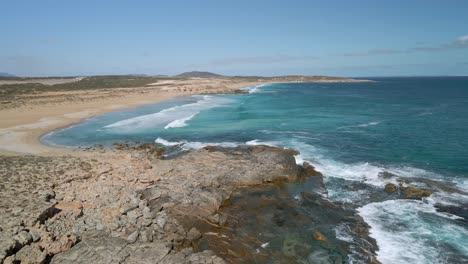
(23, 238)
(31, 254)
(10, 260)
(128, 207)
(146, 236)
(85, 166)
(161, 219)
(61, 245)
(309, 170)
(98, 249)
(461, 211)
(193, 234)
(387, 175)
(390, 188)
(134, 215)
(59, 196)
(69, 206)
(319, 236)
(132, 237)
(8, 247)
(412, 192)
(147, 253)
(147, 166)
(95, 248)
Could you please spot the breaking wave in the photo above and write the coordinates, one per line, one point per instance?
(171, 117)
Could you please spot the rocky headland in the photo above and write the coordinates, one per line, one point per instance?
(127, 205)
(133, 204)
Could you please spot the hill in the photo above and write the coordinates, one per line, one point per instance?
(199, 74)
(4, 74)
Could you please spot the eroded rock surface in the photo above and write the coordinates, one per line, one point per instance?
(128, 205)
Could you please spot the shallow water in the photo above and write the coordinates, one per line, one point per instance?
(352, 132)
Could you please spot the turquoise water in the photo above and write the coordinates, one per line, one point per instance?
(352, 132)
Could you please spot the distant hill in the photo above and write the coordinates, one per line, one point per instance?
(4, 74)
(199, 74)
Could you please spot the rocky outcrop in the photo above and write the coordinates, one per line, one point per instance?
(127, 205)
(391, 188)
(412, 192)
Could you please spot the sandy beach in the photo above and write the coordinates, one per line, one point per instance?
(21, 127)
(30, 115)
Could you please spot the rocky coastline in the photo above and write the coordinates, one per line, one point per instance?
(127, 205)
(131, 204)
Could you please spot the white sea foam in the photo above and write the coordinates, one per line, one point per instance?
(342, 232)
(264, 245)
(256, 142)
(188, 145)
(374, 123)
(170, 117)
(253, 89)
(180, 122)
(403, 236)
(369, 124)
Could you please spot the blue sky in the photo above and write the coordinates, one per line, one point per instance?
(341, 38)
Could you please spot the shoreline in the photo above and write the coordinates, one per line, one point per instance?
(22, 127)
(21, 136)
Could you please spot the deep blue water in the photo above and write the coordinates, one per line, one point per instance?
(352, 132)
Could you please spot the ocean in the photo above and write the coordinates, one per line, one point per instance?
(413, 128)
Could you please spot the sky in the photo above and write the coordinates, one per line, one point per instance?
(338, 38)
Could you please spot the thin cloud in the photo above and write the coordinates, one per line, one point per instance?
(459, 43)
(370, 52)
(261, 60)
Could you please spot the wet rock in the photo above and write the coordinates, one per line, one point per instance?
(320, 257)
(411, 192)
(308, 170)
(319, 236)
(390, 188)
(461, 211)
(293, 246)
(387, 175)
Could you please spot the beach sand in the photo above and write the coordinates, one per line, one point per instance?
(27, 113)
(21, 127)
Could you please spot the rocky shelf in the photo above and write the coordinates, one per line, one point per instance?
(130, 205)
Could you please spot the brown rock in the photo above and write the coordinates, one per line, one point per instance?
(390, 188)
(412, 192)
(319, 236)
(309, 170)
(61, 245)
(69, 206)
